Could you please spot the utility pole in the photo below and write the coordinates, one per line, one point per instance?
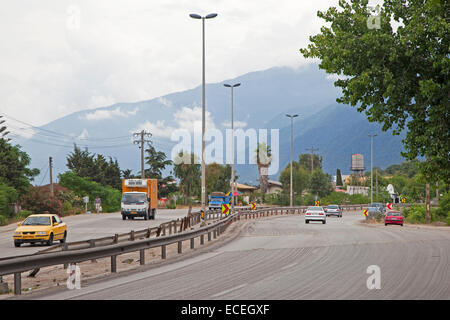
(141, 141)
(292, 138)
(371, 166)
(312, 157)
(376, 181)
(50, 163)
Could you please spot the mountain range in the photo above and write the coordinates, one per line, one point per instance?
(264, 98)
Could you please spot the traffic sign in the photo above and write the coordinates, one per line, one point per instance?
(389, 206)
(226, 208)
(316, 203)
(253, 206)
(366, 213)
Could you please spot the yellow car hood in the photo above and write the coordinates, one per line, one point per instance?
(33, 228)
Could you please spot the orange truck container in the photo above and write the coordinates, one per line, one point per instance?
(139, 198)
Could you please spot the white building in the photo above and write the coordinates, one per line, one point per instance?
(358, 190)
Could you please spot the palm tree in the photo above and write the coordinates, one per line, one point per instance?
(188, 171)
(263, 160)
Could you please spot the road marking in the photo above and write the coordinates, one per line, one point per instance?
(289, 266)
(228, 291)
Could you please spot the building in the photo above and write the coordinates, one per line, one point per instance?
(274, 187)
(358, 190)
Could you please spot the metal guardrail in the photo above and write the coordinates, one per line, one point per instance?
(17, 265)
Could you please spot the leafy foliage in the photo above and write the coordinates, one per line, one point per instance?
(188, 171)
(400, 77)
(157, 162)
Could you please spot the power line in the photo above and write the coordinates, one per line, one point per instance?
(142, 141)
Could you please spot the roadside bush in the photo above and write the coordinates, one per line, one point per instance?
(3, 220)
(416, 214)
(359, 199)
(171, 204)
(81, 187)
(8, 195)
(22, 215)
(39, 201)
(66, 208)
(444, 207)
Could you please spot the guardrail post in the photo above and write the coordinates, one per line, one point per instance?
(132, 235)
(209, 236)
(192, 243)
(17, 283)
(142, 257)
(170, 227)
(180, 246)
(149, 232)
(92, 245)
(202, 239)
(64, 248)
(163, 251)
(215, 233)
(113, 264)
(116, 238)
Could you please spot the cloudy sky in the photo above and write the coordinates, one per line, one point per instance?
(58, 57)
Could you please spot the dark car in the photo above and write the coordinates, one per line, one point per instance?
(333, 209)
(379, 205)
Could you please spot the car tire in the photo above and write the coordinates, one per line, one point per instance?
(63, 240)
(402, 224)
(324, 221)
(50, 240)
(306, 221)
(385, 224)
(146, 215)
(17, 244)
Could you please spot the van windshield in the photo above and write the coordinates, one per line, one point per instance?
(134, 198)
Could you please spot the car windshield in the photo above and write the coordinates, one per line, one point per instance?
(135, 198)
(315, 208)
(394, 214)
(374, 209)
(37, 221)
(333, 207)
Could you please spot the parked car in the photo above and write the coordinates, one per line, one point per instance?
(333, 210)
(393, 217)
(44, 228)
(315, 213)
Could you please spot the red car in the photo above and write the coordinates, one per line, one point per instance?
(393, 217)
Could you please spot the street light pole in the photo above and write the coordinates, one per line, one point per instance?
(371, 166)
(232, 143)
(209, 16)
(292, 146)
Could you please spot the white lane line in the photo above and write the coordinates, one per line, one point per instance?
(289, 266)
(228, 291)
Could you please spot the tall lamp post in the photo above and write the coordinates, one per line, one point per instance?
(209, 16)
(232, 142)
(292, 138)
(371, 166)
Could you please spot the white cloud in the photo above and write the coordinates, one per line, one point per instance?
(164, 101)
(54, 63)
(186, 119)
(107, 114)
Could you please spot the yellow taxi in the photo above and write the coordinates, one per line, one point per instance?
(44, 228)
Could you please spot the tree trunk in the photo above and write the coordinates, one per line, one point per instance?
(427, 203)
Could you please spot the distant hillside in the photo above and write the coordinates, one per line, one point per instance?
(261, 102)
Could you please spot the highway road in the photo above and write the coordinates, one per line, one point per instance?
(283, 258)
(88, 226)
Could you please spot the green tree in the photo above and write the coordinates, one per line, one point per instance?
(14, 170)
(188, 171)
(157, 161)
(305, 161)
(320, 183)
(300, 178)
(339, 178)
(398, 77)
(218, 178)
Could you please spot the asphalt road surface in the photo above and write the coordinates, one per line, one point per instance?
(284, 258)
(88, 226)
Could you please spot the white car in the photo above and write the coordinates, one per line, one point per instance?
(315, 214)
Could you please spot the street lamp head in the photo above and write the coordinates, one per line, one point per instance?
(211, 15)
(227, 85)
(237, 85)
(195, 16)
(291, 116)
